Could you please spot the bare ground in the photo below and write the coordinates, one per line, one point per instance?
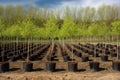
(60, 76)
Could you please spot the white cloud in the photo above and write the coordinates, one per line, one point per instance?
(64, 3)
(84, 3)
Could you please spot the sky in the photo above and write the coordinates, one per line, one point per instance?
(60, 3)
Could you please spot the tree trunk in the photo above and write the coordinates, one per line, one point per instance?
(117, 48)
(63, 44)
(105, 44)
(17, 45)
(28, 52)
(2, 44)
(94, 54)
(3, 50)
(52, 45)
(72, 48)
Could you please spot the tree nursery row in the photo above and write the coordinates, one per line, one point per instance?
(73, 55)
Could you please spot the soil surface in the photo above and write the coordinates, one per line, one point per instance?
(60, 76)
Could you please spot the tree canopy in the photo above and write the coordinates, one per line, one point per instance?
(43, 23)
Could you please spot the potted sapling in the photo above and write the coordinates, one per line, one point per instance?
(68, 29)
(104, 56)
(94, 65)
(28, 31)
(4, 66)
(51, 29)
(116, 32)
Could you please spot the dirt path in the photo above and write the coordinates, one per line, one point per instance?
(59, 53)
(59, 76)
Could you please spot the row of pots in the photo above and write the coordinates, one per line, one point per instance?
(19, 48)
(51, 66)
(12, 57)
(65, 56)
(85, 57)
(100, 49)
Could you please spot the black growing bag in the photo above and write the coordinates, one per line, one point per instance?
(50, 66)
(4, 66)
(27, 66)
(72, 66)
(116, 65)
(85, 58)
(66, 58)
(94, 66)
(79, 54)
(104, 58)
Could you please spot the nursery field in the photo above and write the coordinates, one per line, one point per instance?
(68, 61)
(68, 44)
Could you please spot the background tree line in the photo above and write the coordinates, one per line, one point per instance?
(18, 21)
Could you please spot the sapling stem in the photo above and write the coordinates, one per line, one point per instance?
(72, 49)
(28, 51)
(3, 49)
(117, 49)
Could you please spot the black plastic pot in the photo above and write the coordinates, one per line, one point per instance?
(0, 58)
(5, 58)
(72, 66)
(32, 58)
(50, 66)
(18, 57)
(85, 58)
(104, 58)
(118, 56)
(90, 52)
(96, 55)
(27, 66)
(79, 54)
(65, 58)
(13, 59)
(24, 55)
(116, 65)
(49, 58)
(113, 55)
(94, 66)
(64, 54)
(107, 52)
(4, 66)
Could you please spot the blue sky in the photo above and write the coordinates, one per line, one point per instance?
(60, 3)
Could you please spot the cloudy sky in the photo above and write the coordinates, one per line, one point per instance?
(60, 3)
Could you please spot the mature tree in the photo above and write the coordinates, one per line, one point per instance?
(88, 14)
(20, 13)
(80, 15)
(1, 11)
